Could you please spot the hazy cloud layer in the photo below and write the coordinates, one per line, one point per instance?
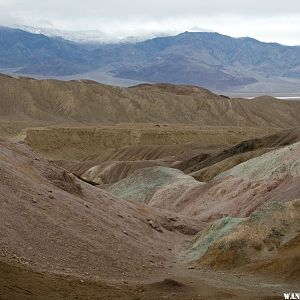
(268, 20)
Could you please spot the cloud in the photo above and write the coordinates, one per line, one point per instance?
(267, 20)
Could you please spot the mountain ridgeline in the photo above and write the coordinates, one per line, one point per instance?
(26, 99)
(205, 59)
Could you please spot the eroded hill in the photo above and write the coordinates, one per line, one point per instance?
(152, 209)
(52, 101)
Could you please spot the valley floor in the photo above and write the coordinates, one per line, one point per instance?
(178, 282)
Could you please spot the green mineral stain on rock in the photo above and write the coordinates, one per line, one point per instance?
(205, 239)
(142, 184)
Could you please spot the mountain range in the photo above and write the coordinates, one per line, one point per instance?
(207, 59)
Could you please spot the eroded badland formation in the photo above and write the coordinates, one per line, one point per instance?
(149, 192)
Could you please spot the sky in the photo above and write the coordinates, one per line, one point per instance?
(266, 20)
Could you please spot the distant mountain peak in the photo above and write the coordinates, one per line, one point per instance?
(209, 59)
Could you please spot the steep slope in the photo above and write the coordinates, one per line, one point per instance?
(204, 168)
(89, 102)
(62, 238)
(268, 241)
(271, 177)
(53, 222)
(213, 169)
(284, 162)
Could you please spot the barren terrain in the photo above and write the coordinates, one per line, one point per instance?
(151, 192)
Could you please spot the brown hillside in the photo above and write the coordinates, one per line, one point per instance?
(57, 101)
(52, 221)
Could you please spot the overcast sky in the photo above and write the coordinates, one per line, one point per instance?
(267, 20)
